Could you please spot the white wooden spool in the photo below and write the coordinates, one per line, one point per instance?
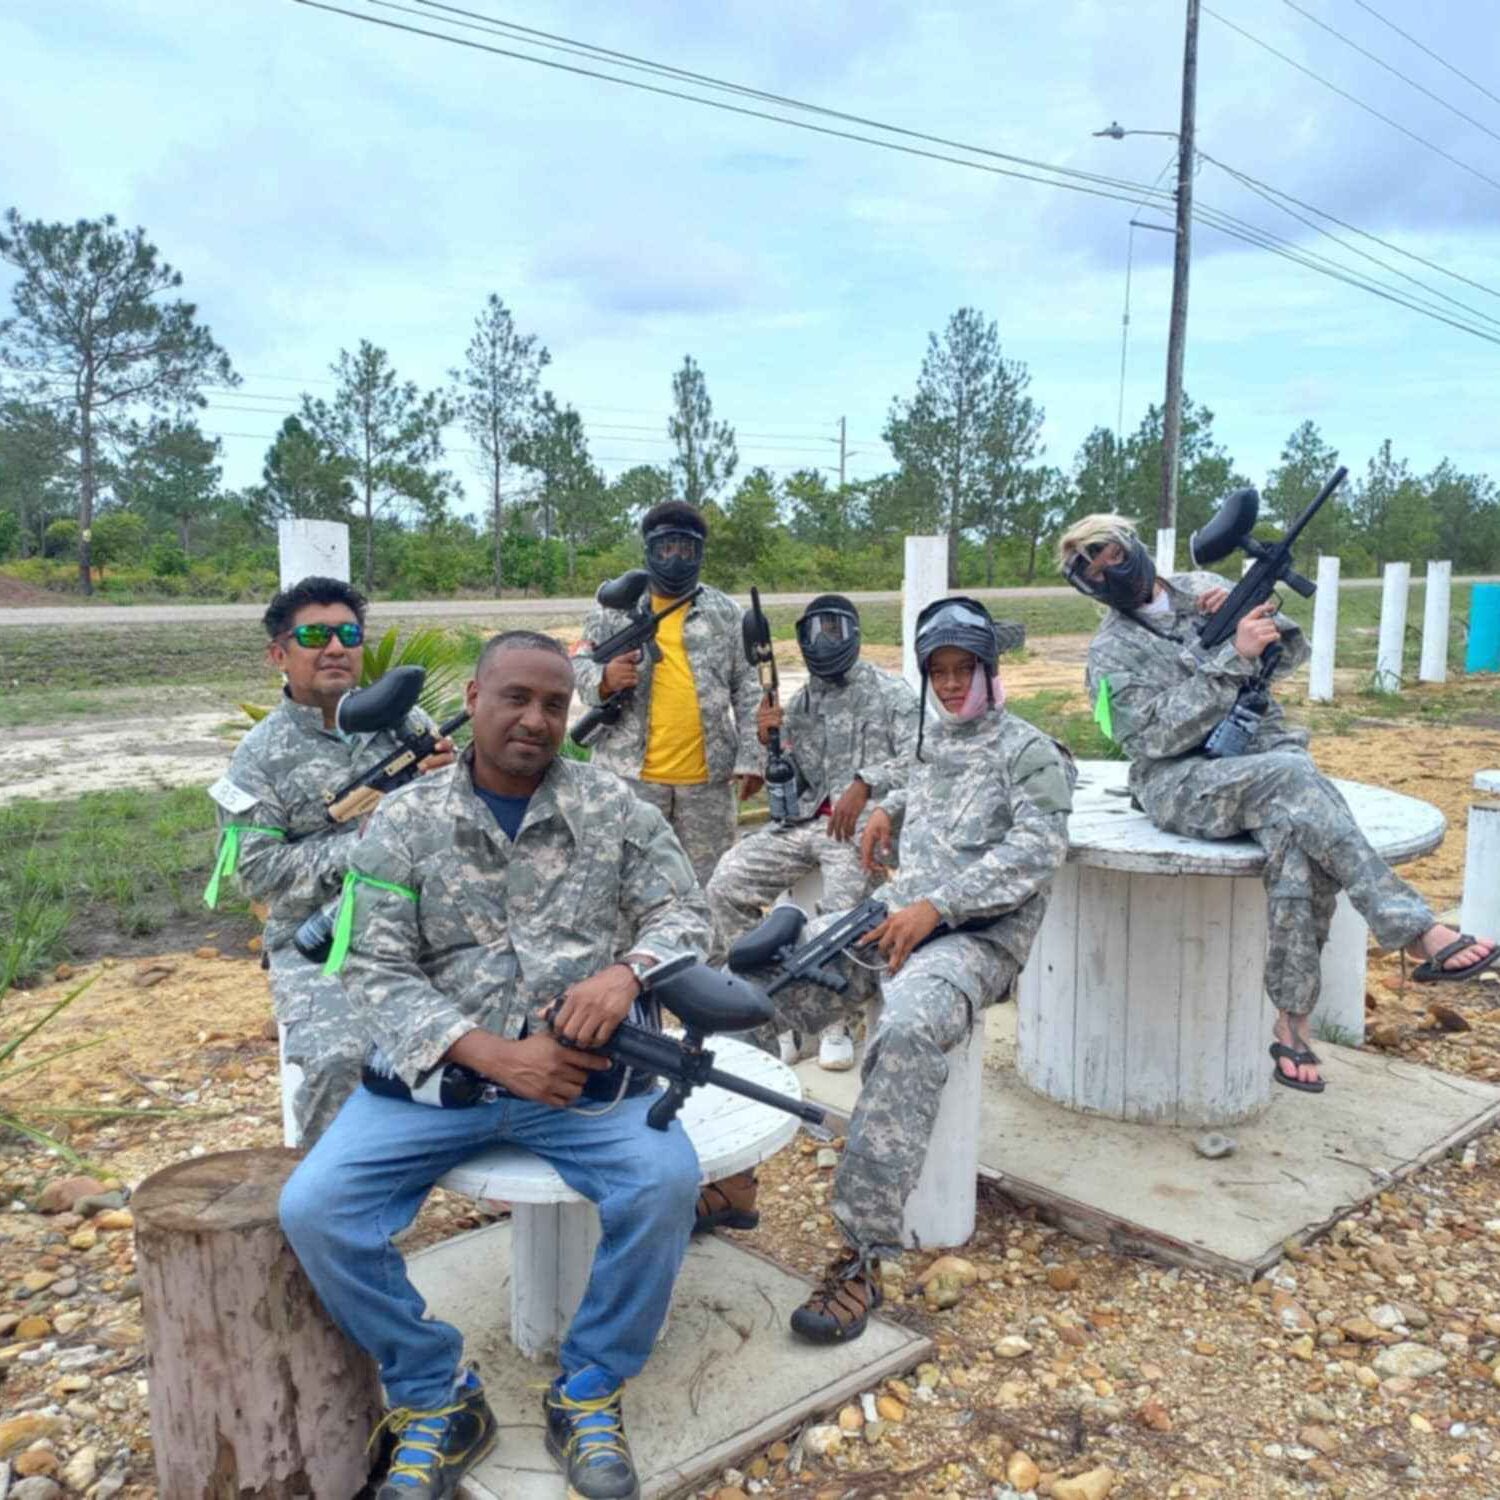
(1480, 912)
(1143, 999)
(1391, 649)
(1325, 631)
(1435, 614)
(555, 1230)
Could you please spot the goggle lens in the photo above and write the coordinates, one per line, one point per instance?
(315, 637)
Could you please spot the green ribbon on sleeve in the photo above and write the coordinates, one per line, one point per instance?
(343, 927)
(229, 855)
(1103, 711)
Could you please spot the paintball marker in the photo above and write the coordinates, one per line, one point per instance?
(704, 999)
(774, 943)
(628, 592)
(1231, 528)
(785, 782)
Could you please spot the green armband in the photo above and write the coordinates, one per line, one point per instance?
(1104, 715)
(229, 855)
(343, 927)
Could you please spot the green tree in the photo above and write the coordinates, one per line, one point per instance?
(1041, 499)
(1098, 476)
(60, 538)
(170, 477)
(571, 500)
(1466, 517)
(744, 533)
(1391, 511)
(823, 515)
(36, 469)
(300, 480)
(496, 397)
(1206, 475)
(119, 537)
(92, 320)
(10, 534)
(635, 491)
(1307, 462)
(706, 454)
(388, 433)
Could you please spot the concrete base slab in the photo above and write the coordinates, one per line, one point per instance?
(1303, 1163)
(726, 1378)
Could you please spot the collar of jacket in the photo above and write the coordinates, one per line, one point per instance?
(558, 793)
(976, 731)
(308, 717)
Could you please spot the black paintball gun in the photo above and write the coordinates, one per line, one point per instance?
(773, 944)
(629, 592)
(1230, 530)
(785, 782)
(705, 1001)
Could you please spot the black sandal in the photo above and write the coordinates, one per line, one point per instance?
(1302, 1057)
(1432, 971)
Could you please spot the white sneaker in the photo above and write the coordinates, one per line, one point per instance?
(836, 1050)
(790, 1052)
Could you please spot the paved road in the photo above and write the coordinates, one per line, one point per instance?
(92, 615)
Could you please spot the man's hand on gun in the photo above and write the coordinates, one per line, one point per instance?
(875, 845)
(622, 673)
(900, 933)
(1257, 631)
(846, 810)
(444, 754)
(537, 1067)
(592, 1008)
(767, 717)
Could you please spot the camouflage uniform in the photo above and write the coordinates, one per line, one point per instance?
(1166, 694)
(835, 732)
(278, 783)
(702, 817)
(983, 820)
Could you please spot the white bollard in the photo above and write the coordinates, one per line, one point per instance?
(1480, 912)
(312, 549)
(1340, 1016)
(940, 1212)
(1435, 609)
(926, 579)
(1325, 631)
(1166, 551)
(1391, 650)
(291, 1081)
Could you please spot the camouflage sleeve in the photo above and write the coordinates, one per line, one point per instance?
(894, 801)
(899, 718)
(1295, 647)
(744, 682)
(401, 1010)
(1025, 860)
(662, 903)
(1151, 722)
(587, 674)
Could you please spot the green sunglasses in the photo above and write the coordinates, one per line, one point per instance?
(315, 637)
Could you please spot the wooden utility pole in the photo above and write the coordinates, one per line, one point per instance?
(1166, 518)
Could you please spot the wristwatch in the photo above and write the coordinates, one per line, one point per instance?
(640, 967)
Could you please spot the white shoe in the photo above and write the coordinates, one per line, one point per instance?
(836, 1050)
(790, 1052)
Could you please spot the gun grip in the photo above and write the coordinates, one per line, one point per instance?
(830, 979)
(1304, 586)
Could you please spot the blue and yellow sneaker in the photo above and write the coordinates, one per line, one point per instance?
(435, 1449)
(586, 1435)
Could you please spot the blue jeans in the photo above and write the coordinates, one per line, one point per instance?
(369, 1173)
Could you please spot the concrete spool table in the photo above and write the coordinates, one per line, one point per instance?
(554, 1231)
(1143, 999)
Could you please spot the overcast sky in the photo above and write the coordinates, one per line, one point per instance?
(319, 180)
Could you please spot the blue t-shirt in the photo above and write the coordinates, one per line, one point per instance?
(508, 811)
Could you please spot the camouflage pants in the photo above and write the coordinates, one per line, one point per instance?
(1313, 850)
(320, 1035)
(926, 1010)
(702, 817)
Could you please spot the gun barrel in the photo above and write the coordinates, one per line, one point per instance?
(742, 1086)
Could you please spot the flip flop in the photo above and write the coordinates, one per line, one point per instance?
(1432, 971)
(1300, 1057)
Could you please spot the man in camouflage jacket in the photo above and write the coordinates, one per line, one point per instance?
(474, 900)
(1160, 695)
(276, 839)
(982, 813)
(688, 733)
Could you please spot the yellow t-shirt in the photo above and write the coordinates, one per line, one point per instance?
(674, 734)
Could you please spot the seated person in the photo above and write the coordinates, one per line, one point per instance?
(983, 816)
(478, 896)
(1161, 695)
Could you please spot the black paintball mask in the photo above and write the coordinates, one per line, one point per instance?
(1126, 585)
(674, 558)
(828, 637)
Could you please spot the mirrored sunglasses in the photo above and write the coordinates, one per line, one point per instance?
(315, 637)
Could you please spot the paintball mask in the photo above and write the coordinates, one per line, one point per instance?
(1124, 585)
(828, 637)
(960, 622)
(674, 558)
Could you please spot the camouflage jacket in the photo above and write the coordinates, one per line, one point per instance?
(280, 779)
(1166, 693)
(836, 732)
(983, 820)
(453, 927)
(728, 690)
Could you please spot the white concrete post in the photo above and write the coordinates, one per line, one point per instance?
(312, 549)
(291, 1081)
(1325, 631)
(940, 1211)
(926, 579)
(1434, 667)
(1166, 550)
(1340, 1016)
(1480, 912)
(1389, 653)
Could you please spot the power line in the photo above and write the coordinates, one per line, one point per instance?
(1342, 93)
(1421, 88)
(1422, 47)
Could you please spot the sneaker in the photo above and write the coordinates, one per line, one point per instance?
(841, 1306)
(836, 1049)
(728, 1203)
(586, 1436)
(435, 1449)
(789, 1048)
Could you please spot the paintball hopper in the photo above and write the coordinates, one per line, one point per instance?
(709, 1000)
(1228, 530)
(624, 591)
(383, 705)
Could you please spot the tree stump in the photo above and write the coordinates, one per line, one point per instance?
(255, 1395)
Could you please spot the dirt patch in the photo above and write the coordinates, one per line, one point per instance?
(15, 594)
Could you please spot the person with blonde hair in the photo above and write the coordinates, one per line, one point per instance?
(1159, 695)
